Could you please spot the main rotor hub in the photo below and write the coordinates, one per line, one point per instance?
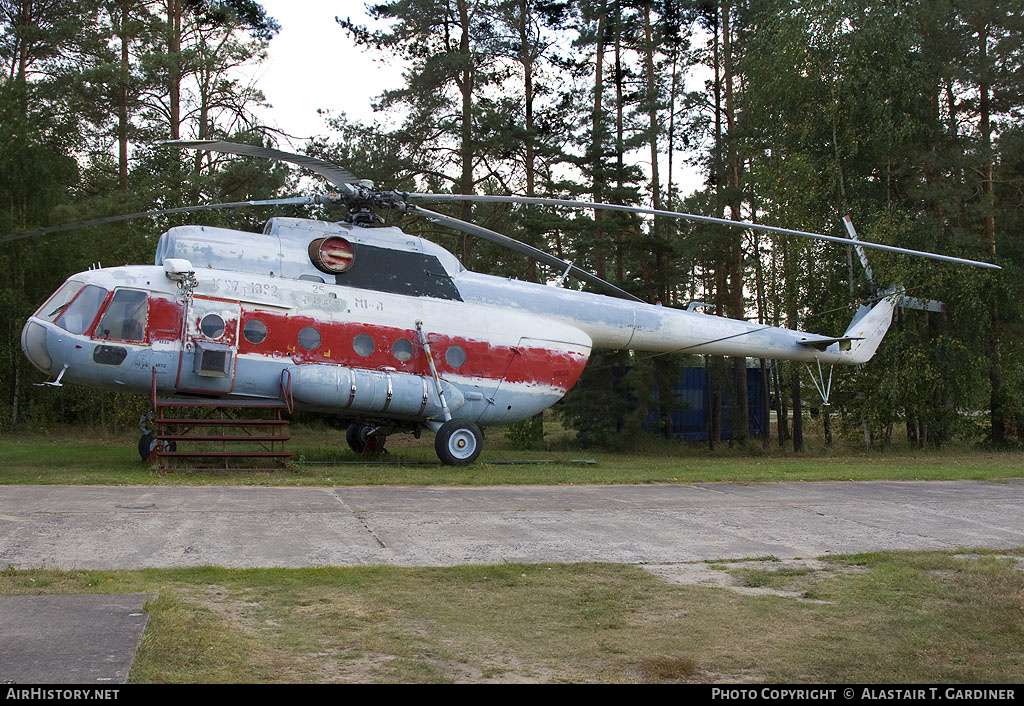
(363, 200)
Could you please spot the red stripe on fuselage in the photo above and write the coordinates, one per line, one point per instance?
(164, 322)
(532, 364)
(549, 367)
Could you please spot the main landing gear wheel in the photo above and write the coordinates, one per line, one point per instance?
(458, 442)
(149, 445)
(363, 439)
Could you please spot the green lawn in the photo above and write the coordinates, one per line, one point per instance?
(323, 458)
(883, 617)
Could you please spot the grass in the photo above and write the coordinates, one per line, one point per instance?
(322, 458)
(882, 617)
(772, 578)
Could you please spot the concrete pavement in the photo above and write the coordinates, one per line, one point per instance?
(146, 526)
(70, 639)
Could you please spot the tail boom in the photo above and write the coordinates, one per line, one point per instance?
(619, 324)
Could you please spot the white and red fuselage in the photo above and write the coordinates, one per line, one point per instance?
(263, 320)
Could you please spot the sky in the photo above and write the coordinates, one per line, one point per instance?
(313, 65)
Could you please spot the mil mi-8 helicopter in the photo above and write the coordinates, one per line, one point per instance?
(362, 320)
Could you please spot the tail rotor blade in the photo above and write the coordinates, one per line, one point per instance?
(848, 222)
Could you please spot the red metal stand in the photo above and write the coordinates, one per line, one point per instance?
(234, 434)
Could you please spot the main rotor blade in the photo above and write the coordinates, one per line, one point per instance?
(331, 172)
(694, 217)
(523, 249)
(297, 200)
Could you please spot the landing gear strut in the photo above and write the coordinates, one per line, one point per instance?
(364, 439)
(148, 443)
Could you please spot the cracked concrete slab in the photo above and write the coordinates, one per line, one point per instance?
(76, 639)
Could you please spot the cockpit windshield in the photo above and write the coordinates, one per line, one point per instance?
(125, 318)
(57, 303)
(79, 314)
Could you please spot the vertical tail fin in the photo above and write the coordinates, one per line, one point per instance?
(870, 324)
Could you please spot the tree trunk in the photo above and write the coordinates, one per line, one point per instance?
(781, 412)
(174, 17)
(994, 346)
(798, 423)
(19, 66)
(15, 377)
(526, 57)
(620, 167)
(15, 396)
(652, 113)
(466, 87)
(597, 146)
(762, 317)
(673, 89)
(658, 290)
(766, 416)
(122, 107)
(713, 371)
(732, 164)
(791, 270)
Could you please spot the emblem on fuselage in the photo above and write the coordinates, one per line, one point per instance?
(332, 255)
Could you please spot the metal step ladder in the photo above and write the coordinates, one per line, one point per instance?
(229, 433)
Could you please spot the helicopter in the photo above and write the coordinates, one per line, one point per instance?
(387, 329)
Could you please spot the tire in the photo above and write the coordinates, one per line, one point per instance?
(148, 446)
(458, 442)
(362, 440)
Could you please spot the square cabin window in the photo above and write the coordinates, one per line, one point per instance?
(125, 318)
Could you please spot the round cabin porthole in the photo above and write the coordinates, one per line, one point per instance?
(455, 356)
(363, 344)
(212, 326)
(255, 331)
(402, 349)
(309, 338)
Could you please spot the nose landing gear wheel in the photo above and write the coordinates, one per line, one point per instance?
(149, 445)
(458, 442)
(363, 439)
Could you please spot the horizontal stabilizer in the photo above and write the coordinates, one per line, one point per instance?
(923, 304)
(859, 342)
(845, 342)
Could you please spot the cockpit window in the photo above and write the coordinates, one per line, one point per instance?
(57, 303)
(78, 315)
(125, 318)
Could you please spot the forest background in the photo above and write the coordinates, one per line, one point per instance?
(904, 114)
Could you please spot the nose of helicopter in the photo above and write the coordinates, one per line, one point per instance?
(33, 343)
